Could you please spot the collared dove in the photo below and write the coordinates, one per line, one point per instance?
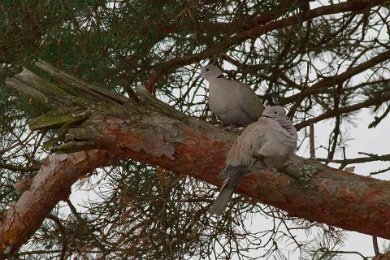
(234, 103)
(269, 142)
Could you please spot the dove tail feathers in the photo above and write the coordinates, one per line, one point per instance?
(226, 193)
(221, 202)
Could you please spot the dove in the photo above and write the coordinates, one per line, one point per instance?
(234, 103)
(267, 143)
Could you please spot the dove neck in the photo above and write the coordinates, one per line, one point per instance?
(285, 123)
(288, 125)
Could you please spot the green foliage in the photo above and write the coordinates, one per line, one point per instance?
(143, 212)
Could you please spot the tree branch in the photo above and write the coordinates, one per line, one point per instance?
(19, 168)
(377, 99)
(255, 29)
(52, 184)
(196, 148)
(337, 79)
(372, 158)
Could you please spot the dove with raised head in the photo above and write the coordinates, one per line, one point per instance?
(234, 103)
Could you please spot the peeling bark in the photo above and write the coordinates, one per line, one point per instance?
(147, 133)
(51, 184)
(322, 193)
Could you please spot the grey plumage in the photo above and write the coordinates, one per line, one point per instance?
(234, 103)
(269, 142)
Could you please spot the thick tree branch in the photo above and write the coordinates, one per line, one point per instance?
(331, 196)
(196, 148)
(52, 184)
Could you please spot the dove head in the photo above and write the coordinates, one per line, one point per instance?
(210, 72)
(274, 112)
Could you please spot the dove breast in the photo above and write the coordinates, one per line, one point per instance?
(234, 103)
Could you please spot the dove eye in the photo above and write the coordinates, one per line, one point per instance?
(207, 69)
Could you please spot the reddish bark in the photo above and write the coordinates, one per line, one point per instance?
(52, 184)
(198, 149)
(195, 148)
(385, 256)
(332, 196)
